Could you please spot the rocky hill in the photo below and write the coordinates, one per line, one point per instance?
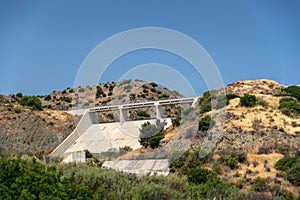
(107, 93)
(31, 130)
(261, 127)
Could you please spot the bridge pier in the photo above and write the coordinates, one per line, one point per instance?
(123, 115)
(159, 111)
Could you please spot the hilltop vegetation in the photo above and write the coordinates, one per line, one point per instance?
(255, 157)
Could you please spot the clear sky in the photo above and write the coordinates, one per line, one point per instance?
(43, 43)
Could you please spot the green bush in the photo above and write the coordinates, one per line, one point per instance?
(291, 165)
(143, 113)
(99, 91)
(151, 134)
(163, 96)
(293, 91)
(153, 84)
(66, 99)
(220, 99)
(293, 174)
(289, 106)
(200, 176)
(205, 123)
(71, 91)
(31, 101)
(231, 96)
(287, 163)
(81, 90)
(187, 161)
(47, 98)
(248, 100)
(145, 86)
(19, 94)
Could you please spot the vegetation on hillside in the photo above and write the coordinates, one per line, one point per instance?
(248, 100)
(151, 134)
(31, 101)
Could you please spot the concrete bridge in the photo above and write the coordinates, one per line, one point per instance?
(99, 137)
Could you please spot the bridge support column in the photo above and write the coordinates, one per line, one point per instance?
(159, 111)
(123, 115)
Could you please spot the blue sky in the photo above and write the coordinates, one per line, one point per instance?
(43, 43)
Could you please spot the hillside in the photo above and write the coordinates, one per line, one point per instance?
(253, 138)
(261, 129)
(28, 130)
(105, 94)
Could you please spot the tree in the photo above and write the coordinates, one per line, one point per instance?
(151, 134)
(19, 94)
(31, 101)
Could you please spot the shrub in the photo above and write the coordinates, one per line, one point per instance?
(293, 91)
(81, 90)
(19, 94)
(143, 113)
(99, 91)
(145, 86)
(260, 101)
(151, 134)
(208, 96)
(260, 184)
(110, 116)
(200, 176)
(153, 90)
(163, 96)
(132, 96)
(289, 106)
(31, 101)
(47, 98)
(66, 99)
(287, 163)
(248, 100)
(64, 92)
(153, 84)
(232, 158)
(205, 123)
(205, 102)
(293, 174)
(71, 91)
(231, 96)
(187, 161)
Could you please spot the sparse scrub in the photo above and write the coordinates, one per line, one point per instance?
(232, 158)
(260, 185)
(260, 101)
